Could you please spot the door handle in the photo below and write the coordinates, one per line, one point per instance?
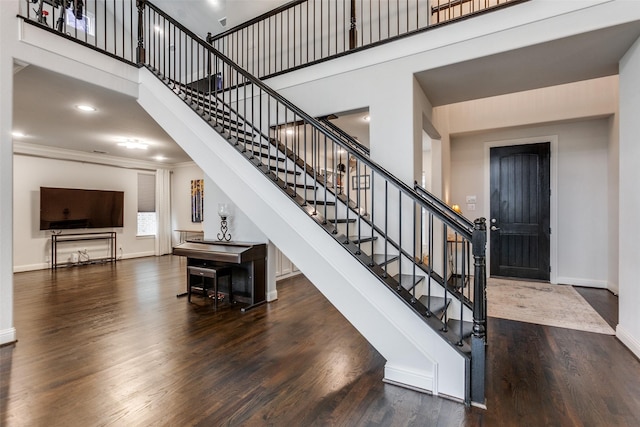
(494, 228)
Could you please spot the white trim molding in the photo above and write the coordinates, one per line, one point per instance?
(628, 340)
(7, 336)
(401, 376)
(576, 281)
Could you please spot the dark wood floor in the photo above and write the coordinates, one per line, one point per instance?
(113, 346)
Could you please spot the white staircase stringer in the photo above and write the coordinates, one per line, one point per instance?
(417, 357)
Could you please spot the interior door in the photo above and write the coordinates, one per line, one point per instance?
(519, 224)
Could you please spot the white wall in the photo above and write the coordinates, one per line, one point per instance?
(181, 177)
(582, 206)
(31, 247)
(628, 329)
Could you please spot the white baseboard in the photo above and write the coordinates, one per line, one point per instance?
(46, 265)
(627, 339)
(138, 255)
(272, 296)
(7, 336)
(287, 275)
(415, 380)
(30, 267)
(588, 283)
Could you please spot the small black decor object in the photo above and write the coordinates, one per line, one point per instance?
(223, 211)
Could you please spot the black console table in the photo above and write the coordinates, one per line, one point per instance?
(108, 236)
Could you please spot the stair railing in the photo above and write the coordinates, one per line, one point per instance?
(305, 32)
(385, 224)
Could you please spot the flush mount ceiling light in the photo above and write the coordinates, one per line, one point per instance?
(366, 118)
(157, 29)
(84, 107)
(160, 158)
(133, 144)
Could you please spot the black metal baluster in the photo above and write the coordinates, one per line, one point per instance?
(445, 262)
(430, 260)
(414, 273)
(400, 233)
(348, 193)
(373, 209)
(326, 183)
(359, 206)
(386, 226)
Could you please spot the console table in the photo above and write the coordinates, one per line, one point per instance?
(108, 236)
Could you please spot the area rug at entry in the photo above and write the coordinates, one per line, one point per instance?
(544, 304)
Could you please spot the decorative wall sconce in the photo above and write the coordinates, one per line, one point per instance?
(223, 211)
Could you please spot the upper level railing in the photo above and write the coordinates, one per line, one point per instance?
(305, 32)
(109, 26)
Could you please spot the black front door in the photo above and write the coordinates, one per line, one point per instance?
(519, 223)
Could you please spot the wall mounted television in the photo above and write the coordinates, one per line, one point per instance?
(73, 208)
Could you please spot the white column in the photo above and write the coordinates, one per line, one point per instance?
(628, 330)
(8, 10)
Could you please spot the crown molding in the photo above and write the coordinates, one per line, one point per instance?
(46, 152)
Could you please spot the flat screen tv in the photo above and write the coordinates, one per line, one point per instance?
(70, 208)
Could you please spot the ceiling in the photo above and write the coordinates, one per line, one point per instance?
(44, 110)
(585, 56)
(44, 102)
(203, 16)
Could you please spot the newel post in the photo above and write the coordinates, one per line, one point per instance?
(140, 54)
(478, 337)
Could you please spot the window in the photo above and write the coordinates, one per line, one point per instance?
(147, 220)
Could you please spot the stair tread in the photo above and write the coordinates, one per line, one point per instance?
(456, 282)
(266, 155)
(467, 327)
(341, 220)
(362, 239)
(437, 305)
(283, 170)
(302, 185)
(408, 281)
(321, 202)
(382, 259)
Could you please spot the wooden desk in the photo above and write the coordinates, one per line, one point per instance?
(247, 260)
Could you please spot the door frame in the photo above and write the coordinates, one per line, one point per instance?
(553, 200)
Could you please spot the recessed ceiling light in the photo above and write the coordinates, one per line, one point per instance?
(160, 158)
(18, 134)
(366, 118)
(86, 108)
(289, 131)
(157, 29)
(133, 144)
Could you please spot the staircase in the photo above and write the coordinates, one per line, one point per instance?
(394, 260)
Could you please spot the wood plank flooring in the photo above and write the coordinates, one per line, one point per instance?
(106, 345)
